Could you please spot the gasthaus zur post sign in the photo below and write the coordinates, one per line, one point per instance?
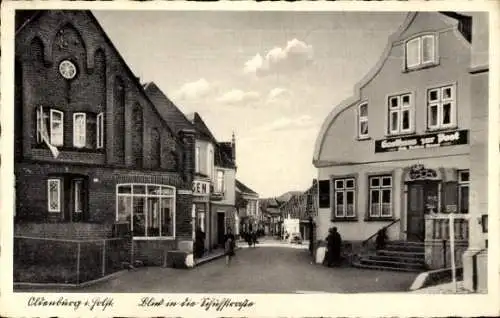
(440, 139)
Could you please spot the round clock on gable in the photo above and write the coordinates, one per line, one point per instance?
(67, 69)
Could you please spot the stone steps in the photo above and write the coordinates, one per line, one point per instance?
(395, 256)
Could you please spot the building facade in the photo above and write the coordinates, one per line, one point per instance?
(92, 151)
(397, 153)
(475, 259)
(215, 163)
(247, 204)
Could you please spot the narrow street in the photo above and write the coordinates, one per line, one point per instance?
(265, 269)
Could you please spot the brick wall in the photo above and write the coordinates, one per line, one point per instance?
(31, 182)
(75, 35)
(64, 231)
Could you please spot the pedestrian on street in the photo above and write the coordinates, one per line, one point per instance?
(334, 246)
(254, 238)
(229, 245)
(199, 242)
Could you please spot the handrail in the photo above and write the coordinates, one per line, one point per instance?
(382, 228)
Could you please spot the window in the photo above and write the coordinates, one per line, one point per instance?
(148, 208)
(380, 196)
(50, 124)
(79, 129)
(400, 114)
(197, 159)
(324, 193)
(363, 120)
(421, 51)
(463, 191)
(210, 162)
(344, 197)
(220, 182)
(441, 111)
(54, 195)
(78, 195)
(155, 148)
(100, 131)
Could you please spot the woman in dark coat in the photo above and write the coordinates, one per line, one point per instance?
(229, 245)
(334, 244)
(199, 242)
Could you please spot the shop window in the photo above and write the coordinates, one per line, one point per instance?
(420, 52)
(400, 115)
(50, 126)
(149, 209)
(363, 120)
(441, 107)
(344, 198)
(380, 196)
(463, 191)
(54, 195)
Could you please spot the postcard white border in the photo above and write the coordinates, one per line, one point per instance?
(370, 305)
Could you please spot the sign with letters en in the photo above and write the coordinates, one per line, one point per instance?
(201, 187)
(441, 139)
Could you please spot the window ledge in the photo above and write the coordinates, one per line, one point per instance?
(399, 135)
(441, 130)
(379, 219)
(153, 238)
(420, 67)
(350, 219)
(363, 138)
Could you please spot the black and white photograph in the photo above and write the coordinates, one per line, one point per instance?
(254, 154)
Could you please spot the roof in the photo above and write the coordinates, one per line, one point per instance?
(243, 188)
(201, 128)
(224, 155)
(167, 109)
(464, 23)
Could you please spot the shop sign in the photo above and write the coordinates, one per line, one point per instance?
(458, 137)
(201, 187)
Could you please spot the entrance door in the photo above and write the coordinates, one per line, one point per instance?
(220, 228)
(422, 199)
(415, 230)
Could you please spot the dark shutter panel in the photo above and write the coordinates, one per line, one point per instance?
(450, 197)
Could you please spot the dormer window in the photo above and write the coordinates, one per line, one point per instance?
(363, 121)
(420, 52)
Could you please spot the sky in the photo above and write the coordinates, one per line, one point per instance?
(270, 77)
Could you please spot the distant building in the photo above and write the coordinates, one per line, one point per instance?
(247, 204)
(300, 210)
(397, 155)
(273, 219)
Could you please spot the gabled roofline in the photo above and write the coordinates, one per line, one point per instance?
(357, 88)
(131, 74)
(356, 97)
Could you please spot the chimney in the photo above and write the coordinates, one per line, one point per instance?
(233, 148)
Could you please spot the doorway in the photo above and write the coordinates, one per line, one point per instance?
(422, 199)
(220, 228)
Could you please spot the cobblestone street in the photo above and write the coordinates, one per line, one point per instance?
(265, 269)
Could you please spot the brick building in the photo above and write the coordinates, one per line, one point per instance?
(92, 150)
(247, 204)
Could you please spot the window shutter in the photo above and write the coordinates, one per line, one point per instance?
(324, 194)
(449, 196)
